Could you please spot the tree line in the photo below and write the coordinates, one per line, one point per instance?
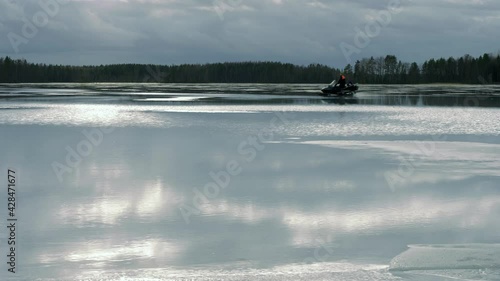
(390, 70)
(20, 71)
(380, 70)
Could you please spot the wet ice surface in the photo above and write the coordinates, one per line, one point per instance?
(398, 183)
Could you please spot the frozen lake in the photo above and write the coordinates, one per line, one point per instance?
(251, 182)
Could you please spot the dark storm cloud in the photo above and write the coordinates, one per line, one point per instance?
(191, 31)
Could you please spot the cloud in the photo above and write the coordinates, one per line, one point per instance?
(195, 31)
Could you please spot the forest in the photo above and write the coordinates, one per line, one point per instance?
(378, 70)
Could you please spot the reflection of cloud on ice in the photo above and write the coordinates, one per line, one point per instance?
(107, 210)
(426, 177)
(287, 184)
(248, 212)
(305, 226)
(412, 213)
(153, 248)
(99, 252)
(154, 199)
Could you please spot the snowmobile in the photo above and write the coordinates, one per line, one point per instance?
(336, 90)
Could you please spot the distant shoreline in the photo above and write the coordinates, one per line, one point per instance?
(379, 71)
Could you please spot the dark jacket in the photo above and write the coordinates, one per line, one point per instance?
(341, 81)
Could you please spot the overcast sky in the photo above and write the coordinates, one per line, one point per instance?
(200, 31)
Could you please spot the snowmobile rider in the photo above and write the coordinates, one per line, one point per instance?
(341, 82)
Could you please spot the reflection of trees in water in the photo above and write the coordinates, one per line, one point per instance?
(266, 101)
(341, 100)
(432, 100)
(397, 100)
